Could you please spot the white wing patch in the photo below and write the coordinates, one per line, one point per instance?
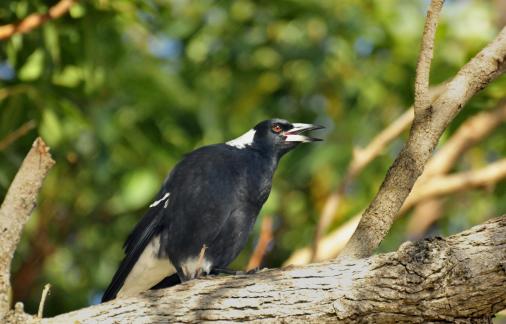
(165, 197)
(149, 270)
(243, 140)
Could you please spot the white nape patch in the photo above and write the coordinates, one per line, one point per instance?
(165, 197)
(149, 270)
(243, 140)
(192, 267)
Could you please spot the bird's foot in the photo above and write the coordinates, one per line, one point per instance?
(218, 271)
(253, 270)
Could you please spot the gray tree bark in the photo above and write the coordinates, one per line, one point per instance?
(16, 209)
(461, 278)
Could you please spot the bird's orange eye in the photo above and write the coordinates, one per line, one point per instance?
(276, 128)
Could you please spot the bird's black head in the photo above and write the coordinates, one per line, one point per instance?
(275, 136)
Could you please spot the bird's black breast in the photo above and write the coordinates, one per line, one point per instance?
(216, 193)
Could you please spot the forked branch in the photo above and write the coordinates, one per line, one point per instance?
(428, 126)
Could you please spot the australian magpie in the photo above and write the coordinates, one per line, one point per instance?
(202, 216)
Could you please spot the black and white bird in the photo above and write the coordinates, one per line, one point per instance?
(206, 208)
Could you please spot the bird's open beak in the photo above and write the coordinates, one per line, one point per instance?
(294, 134)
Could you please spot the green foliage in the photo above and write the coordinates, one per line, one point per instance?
(121, 89)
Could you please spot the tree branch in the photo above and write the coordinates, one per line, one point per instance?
(36, 20)
(471, 132)
(437, 186)
(458, 278)
(424, 136)
(18, 133)
(422, 98)
(361, 158)
(16, 208)
(443, 185)
(264, 240)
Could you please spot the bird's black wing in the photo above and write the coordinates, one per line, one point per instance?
(208, 201)
(135, 244)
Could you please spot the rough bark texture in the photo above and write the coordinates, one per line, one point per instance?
(427, 128)
(17, 206)
(460, 278)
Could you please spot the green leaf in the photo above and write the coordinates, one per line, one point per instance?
(69, 77)
(33, 67)
(138, 188)
(50, 128)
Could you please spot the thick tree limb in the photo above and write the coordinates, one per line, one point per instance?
(424, 136)
(17, 206)
(36, 20)
(458, 278)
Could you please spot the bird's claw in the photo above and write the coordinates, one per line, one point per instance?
(218, 271)
(253, 270)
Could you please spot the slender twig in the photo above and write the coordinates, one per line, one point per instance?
(45, 292)
(36, 20)
(444, 185)
(422, 98)
(329, 246)
(14, 90)
(263, 243)
(200, 261)
(18, 133)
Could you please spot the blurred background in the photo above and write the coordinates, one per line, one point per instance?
(120, 90)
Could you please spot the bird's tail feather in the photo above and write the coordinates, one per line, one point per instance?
(120, 276)
(134, 246)
(168, 282)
